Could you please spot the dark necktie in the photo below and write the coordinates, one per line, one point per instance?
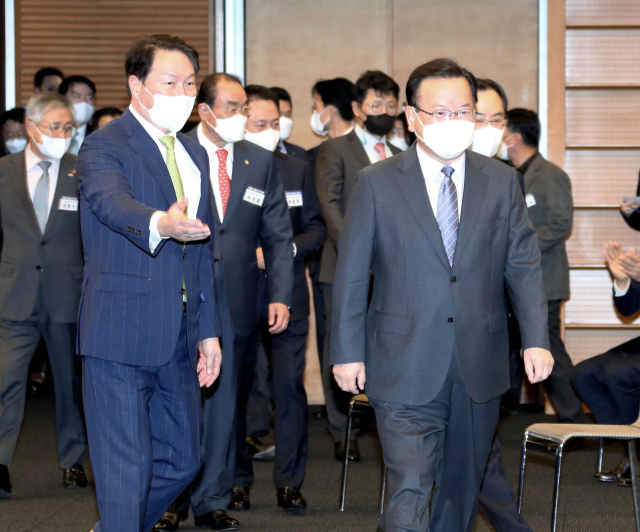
(447, 216)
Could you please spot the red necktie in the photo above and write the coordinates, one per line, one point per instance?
(223, 179)
(380, 149)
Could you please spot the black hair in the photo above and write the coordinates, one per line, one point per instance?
(339, 92)
(409, 136)
(438, 68)
(105, 111)
(283, 95)
(17, 115)
(43, 73)
(67, 82)
(527, 123)
(377, 81)
(208, 89)
(140, 57)
(260, 92)
(489, 84)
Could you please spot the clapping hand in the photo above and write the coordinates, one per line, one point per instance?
(630, 264)
(612, 254)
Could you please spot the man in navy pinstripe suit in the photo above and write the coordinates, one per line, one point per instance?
(148, 324)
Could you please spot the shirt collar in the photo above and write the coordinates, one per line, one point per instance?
(82, 130)
(367, 138)
(152, 130)
(432, 168)
(210, 146)
(32, 160)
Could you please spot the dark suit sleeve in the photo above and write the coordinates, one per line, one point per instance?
(108, 192)
(633, 221)
(558, 211)
(314, 230)
(276, 237)
(329, 184)
(523, 274)
(629, 303)
(210, 325)
(351, 287)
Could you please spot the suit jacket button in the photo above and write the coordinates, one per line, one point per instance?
(216, 260)
(453, 279)
(184, 255)
(43, 243)
(39, 268)
(183, 291)
(450, 319)
(221, 233)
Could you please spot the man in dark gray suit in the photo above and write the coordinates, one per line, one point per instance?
(443, 230)
(40, 278)
(550, 204)
(339, 160)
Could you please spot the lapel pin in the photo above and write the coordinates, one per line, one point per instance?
(246, 162)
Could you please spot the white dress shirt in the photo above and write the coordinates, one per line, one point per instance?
(433, 176)
(189, 174)
(34, 173)
(214, 164)
(618, 292)
(368, 143)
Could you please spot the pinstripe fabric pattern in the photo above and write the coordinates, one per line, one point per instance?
(447, 216)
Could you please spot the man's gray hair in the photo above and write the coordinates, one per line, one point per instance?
(43, 102)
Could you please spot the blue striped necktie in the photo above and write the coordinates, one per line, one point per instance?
(447, 216)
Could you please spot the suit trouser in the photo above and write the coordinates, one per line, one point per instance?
(213, 487)
(609, 384)
(337, 401)
(18, 342)
(497, 498)
(445, 442)
(558, 385)
(259, 403)
(318, 304)
(287, 353)
(144, 433)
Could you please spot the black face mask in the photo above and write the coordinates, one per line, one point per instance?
(380, 125)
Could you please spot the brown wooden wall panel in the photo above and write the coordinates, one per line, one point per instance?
(603, 57)
(602, 12)
(603, 118)
(591, 300)
(591, 230)
(582, 344)
(602, 177)
(92, 38)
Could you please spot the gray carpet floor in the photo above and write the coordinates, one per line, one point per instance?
(40, 503)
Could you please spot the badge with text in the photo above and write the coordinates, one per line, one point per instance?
(294, 199)
(254, 196)
(68, 204)
(531, 201)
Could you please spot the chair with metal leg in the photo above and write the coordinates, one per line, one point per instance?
(358, 405)
(552, 437)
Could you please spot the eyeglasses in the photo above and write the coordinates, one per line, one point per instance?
(67, 131)
(441, 115)
(244, 111)
(379, 107)
(498, 123)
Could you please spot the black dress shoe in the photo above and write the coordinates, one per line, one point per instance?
(217, 520)
(169, 521)
(240, 499)
(74, 477)
(291, 499)
(260, 451)
(354, 452)
(5, 482)
(622, 470)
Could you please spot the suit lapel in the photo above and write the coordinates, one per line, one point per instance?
(415, 192)
(22, 189)
(475, 187)
(239, 176)
(532, 172)
(357, 149)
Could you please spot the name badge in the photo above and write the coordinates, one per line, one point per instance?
(294, 199)
(531, 201)
(68, 204)
(254, 196)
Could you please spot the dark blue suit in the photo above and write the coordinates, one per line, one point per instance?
(139, 349)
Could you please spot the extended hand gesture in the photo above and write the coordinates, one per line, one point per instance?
(175, 224)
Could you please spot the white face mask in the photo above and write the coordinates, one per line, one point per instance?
(51, 147)
(503, 151)
(230, 129)
(317, 125)
(267, 139)
(286, 124)
(83, 112)
(447, 139)
(400, 143)
(15, 145)
(486, 141)
(170, 112)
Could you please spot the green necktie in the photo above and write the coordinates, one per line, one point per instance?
(167, 141)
